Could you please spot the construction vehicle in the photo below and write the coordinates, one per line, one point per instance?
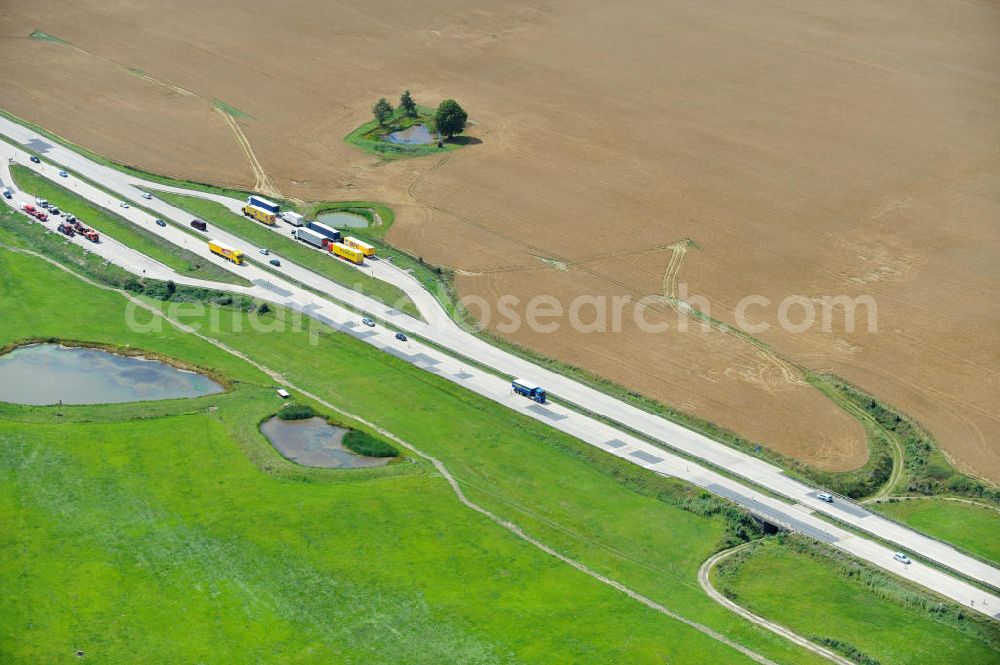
(528, 389)
(322, 229)
(362, 247)
(226, 252)
(355, 256)
(261, 215)
(67, 229)
(311, 237)
(263, 204)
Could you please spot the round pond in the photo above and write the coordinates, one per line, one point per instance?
(49, 373)
(412, 135)
(342, 220)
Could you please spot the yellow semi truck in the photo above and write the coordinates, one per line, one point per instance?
(345, 252)
(226, 252)
(359, 245)
(261, 215)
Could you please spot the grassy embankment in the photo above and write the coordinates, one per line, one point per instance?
(178, 505)
(370, 136)
(972, 527)
(16, 231)
(122, 230)
(855, 609)
(282, 243)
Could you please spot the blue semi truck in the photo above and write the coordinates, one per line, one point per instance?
(263, 204)
(331, 233)
(529, 390)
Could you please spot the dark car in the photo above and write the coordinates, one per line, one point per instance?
(36, 160)
(198, 224)
(275, 262)
(401, 337)
(53, 210)
(160, 222)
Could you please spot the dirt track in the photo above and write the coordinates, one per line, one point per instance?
(815, 149)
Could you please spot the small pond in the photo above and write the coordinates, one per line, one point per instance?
(47, 373)
(314, 442)
(343, 220)
(412, 135)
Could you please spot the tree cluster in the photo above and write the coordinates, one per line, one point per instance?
(450, 118)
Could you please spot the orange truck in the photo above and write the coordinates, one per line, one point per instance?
(359, 245)
(226, 252)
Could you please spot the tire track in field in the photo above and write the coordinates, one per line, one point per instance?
(262, 182)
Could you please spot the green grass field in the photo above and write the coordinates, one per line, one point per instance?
(211, 515)
(323, 264)
(819, 599)
(122, 230)
(171, 532)
(974, 528)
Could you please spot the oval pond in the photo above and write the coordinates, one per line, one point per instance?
(314, 442)
(47, 373)
(342, 220)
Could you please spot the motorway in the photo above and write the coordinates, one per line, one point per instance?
(699, 457)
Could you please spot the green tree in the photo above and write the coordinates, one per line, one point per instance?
(382, 111)
(407, 104)
(450, 118)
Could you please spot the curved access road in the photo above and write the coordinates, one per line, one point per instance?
(706, 584)
(641, 438)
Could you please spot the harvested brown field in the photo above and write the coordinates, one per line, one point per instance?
(808, 148)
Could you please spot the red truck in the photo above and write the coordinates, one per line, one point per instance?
(67, 229)
(88, 233)
(41, 216)
(28, 208)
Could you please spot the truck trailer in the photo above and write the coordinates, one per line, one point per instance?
(328, 231)
(348, 253)
(264, 204)
(261, 215)
(293, 218)
(359, 245)
(225, 251)
(528, 389)
(311, 237)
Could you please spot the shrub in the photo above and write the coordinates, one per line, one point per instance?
(296, 412)
(365, 444)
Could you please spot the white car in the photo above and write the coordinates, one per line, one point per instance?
(123, 204)
(902, 558)
(264, 251)
(147, 196)
(63, 174)
(823, 496)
